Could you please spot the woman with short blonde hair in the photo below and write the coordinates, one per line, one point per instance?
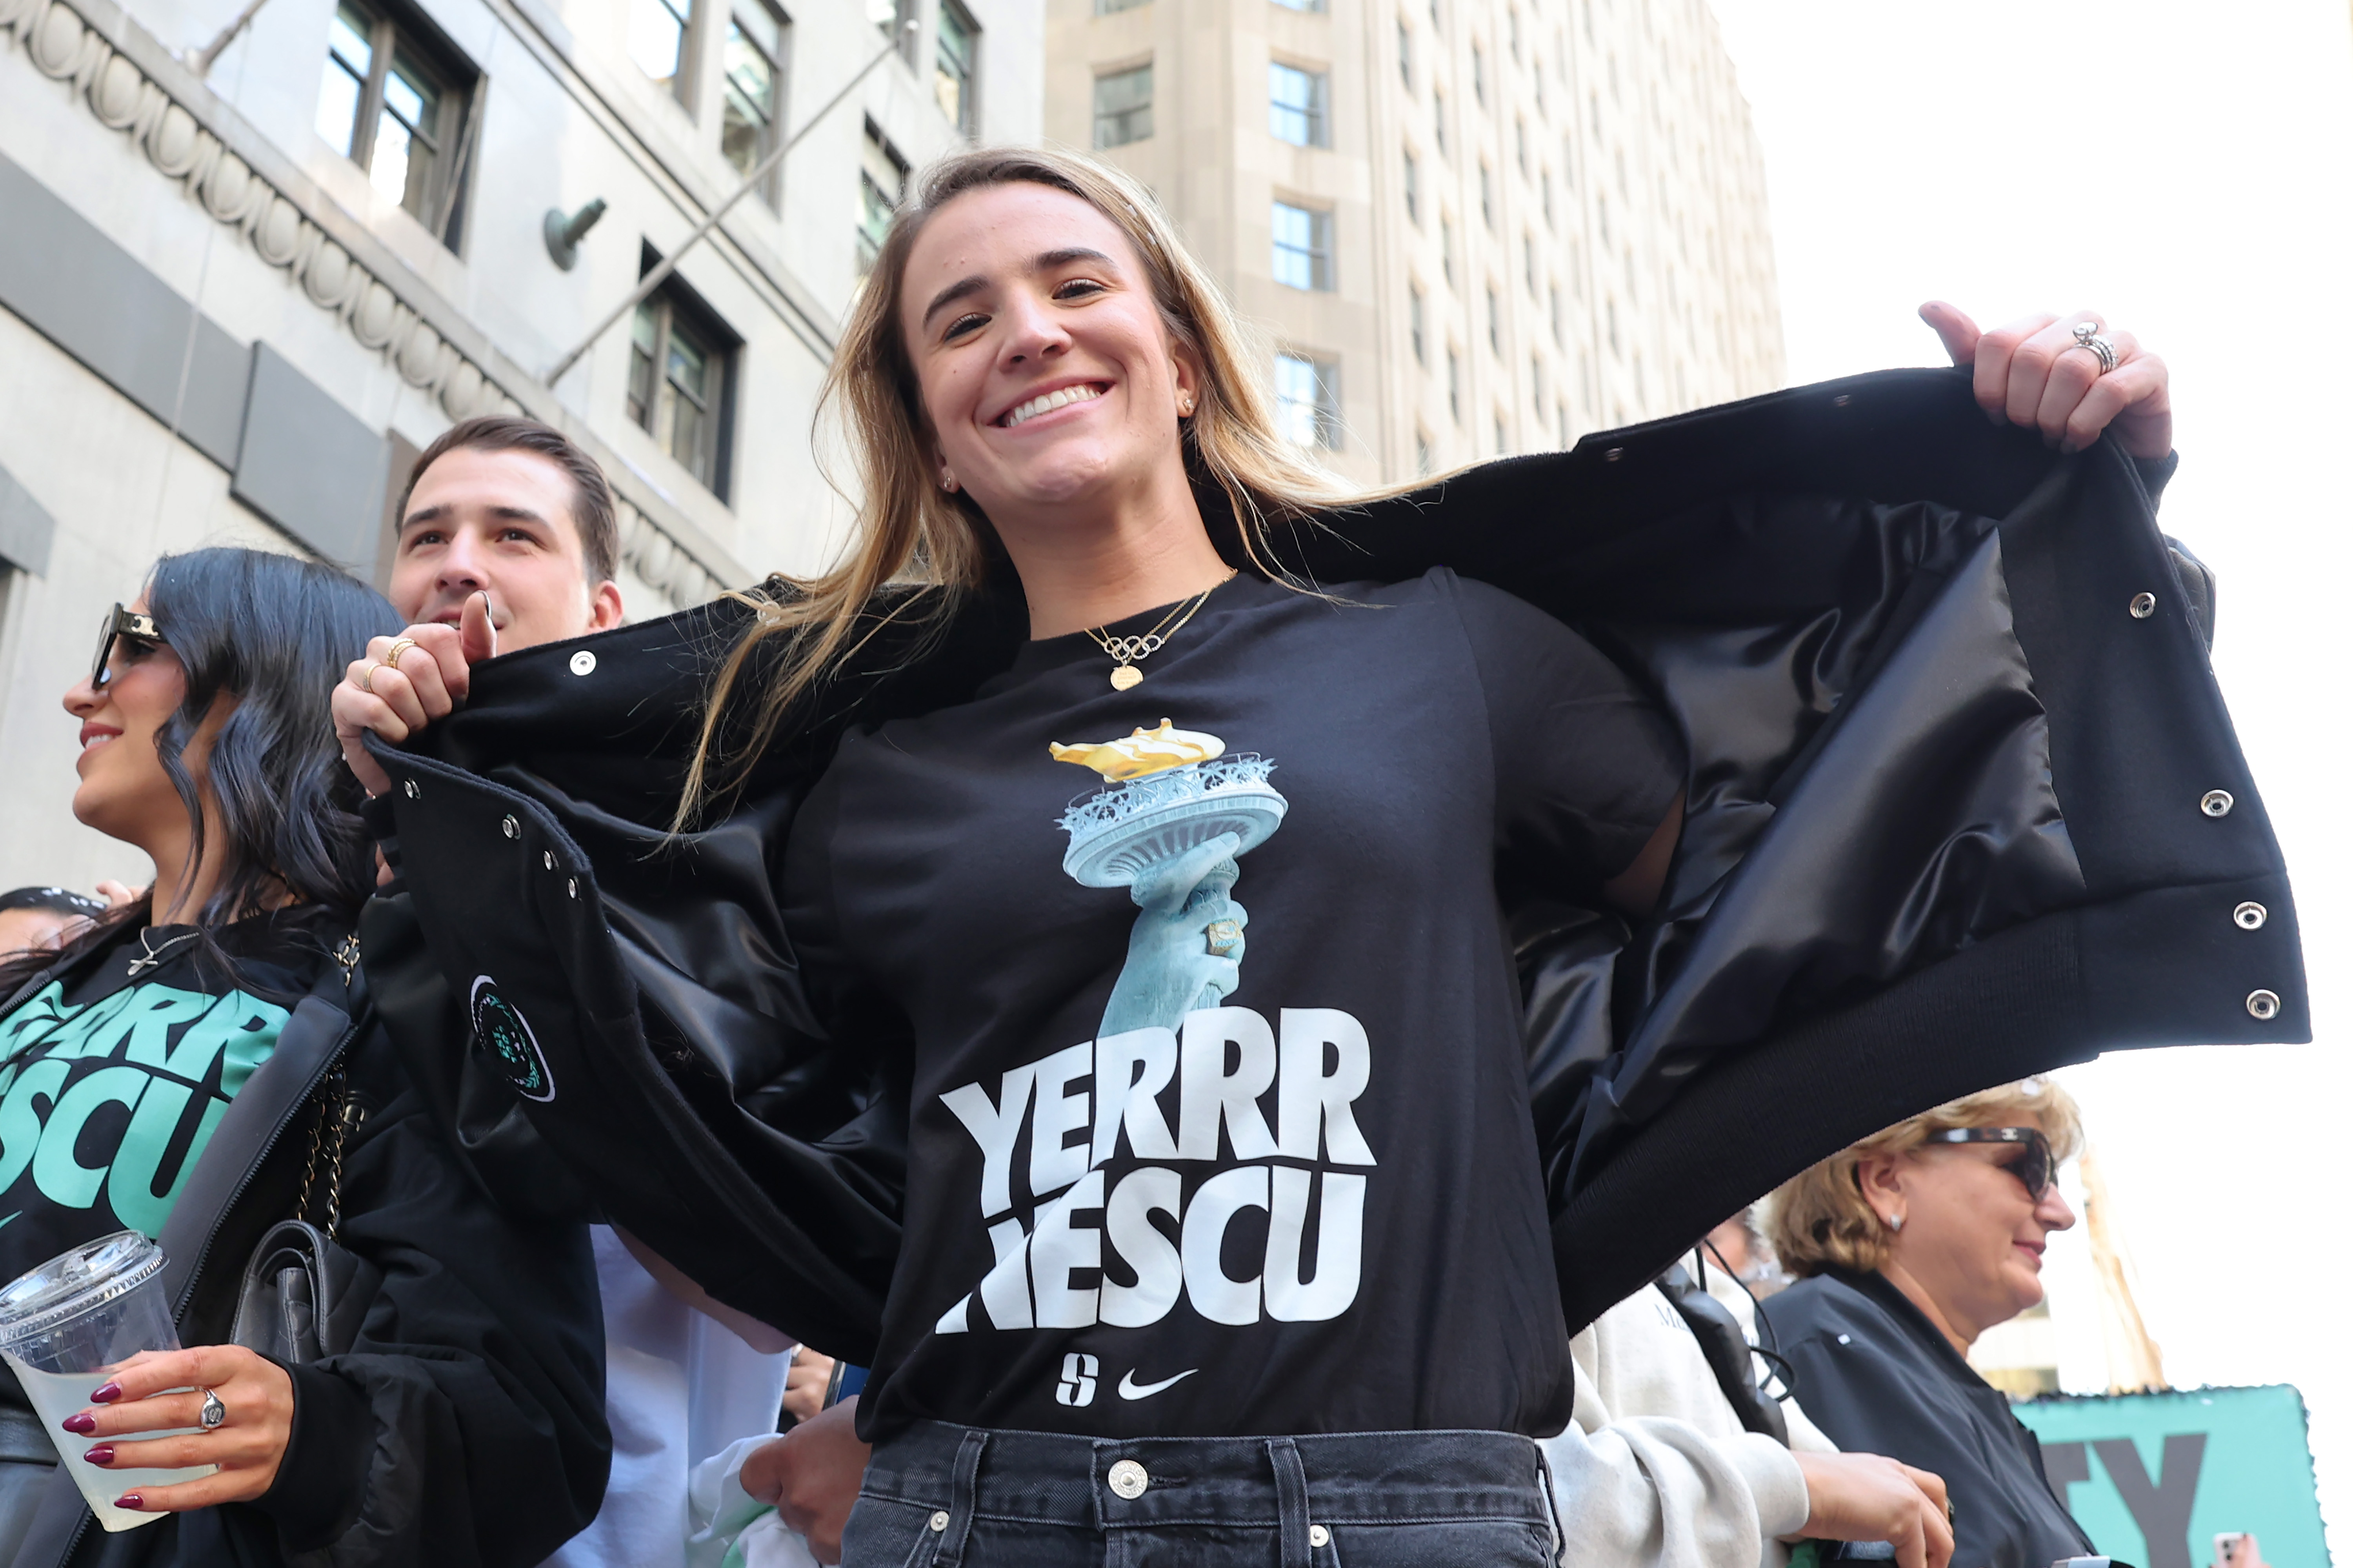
(1912, 1243)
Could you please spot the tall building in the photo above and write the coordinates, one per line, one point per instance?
(1470, 227)
(238, 295)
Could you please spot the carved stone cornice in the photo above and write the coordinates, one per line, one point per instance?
(132, 85)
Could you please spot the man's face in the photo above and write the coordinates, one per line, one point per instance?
(502, 524)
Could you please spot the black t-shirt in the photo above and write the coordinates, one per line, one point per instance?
(114, 1075)
(1310, 1200)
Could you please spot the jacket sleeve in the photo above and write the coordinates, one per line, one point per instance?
(466, 1427)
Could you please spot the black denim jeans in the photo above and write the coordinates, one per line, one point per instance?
(955, 1497)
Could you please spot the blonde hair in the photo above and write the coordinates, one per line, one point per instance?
(1818, 1218)
(915, 548)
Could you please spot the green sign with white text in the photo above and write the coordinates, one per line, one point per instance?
(2154, 1477)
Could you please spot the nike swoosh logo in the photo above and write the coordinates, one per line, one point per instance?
(1129, 1389)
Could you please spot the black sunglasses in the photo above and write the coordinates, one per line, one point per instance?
(2034, 1167)
(118, 623)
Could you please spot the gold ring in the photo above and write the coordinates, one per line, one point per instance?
(367, 676)
(399, 646)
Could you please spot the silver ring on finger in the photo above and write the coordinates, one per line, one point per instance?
(2088, 339)
(214, 1413)
(1224, 937)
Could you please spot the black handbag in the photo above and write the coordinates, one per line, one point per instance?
(304, 1294)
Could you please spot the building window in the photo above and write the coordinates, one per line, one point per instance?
(1405, 54)
(1413, 323)
(659, 30)
(1479, 75)
(1557, 340)
(1123, 106)
(1514, 18)
(1299, 101)
(1446, 248)
(1437, 117)
(881, 185)
(397, 106)
(678, 371)
(1487, 194)
(756, 59)
(1306, 401)
(1454, 383)
(1495, 320)
(1520, 131)
(1413, 188)
(1289, 4)
(1543, 192)
(1502, 442)
(953, 73)
(1302, 246)
(1535, 385)
(1528, 262)
(1106, 7)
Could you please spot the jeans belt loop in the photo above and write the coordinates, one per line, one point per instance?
(1551, 1499)
(1291, 1501)
(964, 1500)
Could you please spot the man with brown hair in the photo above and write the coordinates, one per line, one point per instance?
(507, 541)
(507, 538)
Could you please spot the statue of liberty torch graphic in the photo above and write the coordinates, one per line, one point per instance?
(1178, 816)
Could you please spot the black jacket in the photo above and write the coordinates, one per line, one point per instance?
(466, 1427)
(1877, 1378)
(1945, 829)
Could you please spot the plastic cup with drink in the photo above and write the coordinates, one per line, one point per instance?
(67, 1325)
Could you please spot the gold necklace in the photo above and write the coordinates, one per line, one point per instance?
(1130, 651)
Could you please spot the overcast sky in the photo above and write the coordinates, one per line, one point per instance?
(2185, 170)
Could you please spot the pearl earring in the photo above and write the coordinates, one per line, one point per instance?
(947, 481)
(1896, 1222)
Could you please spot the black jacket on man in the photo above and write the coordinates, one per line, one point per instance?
(465, 1427)
(1963, 804)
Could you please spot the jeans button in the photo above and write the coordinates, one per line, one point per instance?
(939, 1522)
(1128, 1480)
(1318, 1537)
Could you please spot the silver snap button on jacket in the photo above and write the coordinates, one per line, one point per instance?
(583, 663)
(2143, 606)
(2260, 1005)
(2216, 803)
(2251, 916)
(1128, 1480)
(507, 825)
(411, 790)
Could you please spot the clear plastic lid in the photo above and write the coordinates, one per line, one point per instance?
(75, 1282)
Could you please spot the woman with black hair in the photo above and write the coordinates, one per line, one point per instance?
(203, 1065)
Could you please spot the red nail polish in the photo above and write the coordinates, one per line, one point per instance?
(103, 1453)
(129, 1500)
(107, 1394)
(81, 1423)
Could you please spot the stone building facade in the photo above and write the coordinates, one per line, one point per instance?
(237, 295)
(1468, 227)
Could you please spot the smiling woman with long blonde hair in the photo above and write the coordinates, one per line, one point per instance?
(1227, 846)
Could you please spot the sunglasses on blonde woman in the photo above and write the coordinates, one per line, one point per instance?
(2033, 1166)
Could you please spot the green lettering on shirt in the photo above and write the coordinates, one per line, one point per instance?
(147, 1023)
(20, 1123)
(247, 1026)
(58, 1171)
(47, 1007)
(131, 1185)
(68, 1040)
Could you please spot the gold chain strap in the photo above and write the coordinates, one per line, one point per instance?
(334, 1110)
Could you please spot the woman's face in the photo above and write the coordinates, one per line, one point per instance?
(1973, 1236)
(124, 791)
(1048, 375)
